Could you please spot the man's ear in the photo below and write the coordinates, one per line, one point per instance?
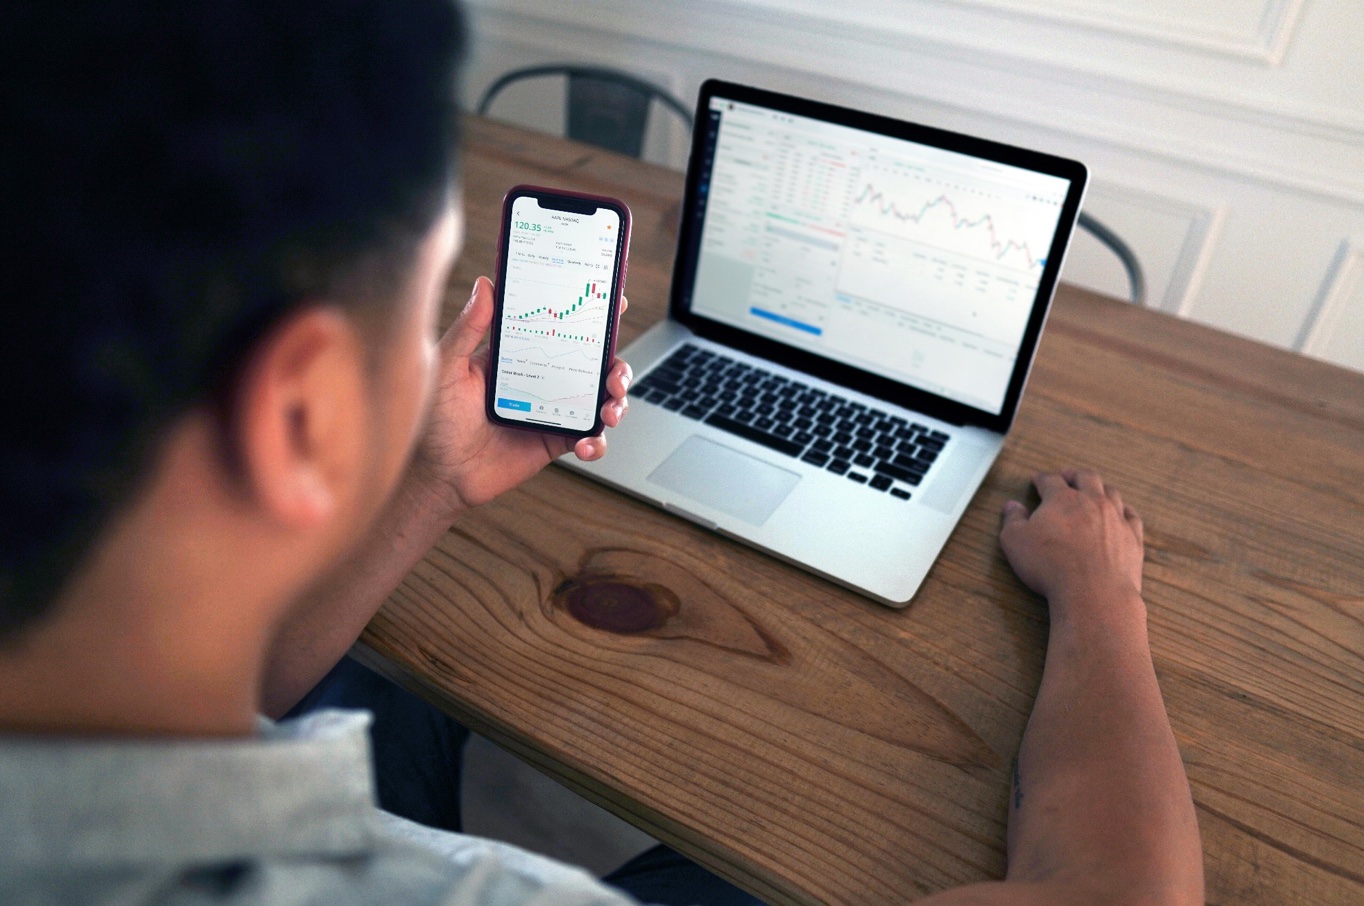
(299, 426)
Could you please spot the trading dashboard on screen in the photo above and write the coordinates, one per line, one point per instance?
(909, 261)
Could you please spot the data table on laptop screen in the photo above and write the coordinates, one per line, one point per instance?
(909, 261)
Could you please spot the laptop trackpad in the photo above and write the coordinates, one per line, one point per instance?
(725, 479)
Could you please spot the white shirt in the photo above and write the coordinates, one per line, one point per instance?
(285, 817)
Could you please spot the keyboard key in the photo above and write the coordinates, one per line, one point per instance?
(843, 452)
(899, 474)
(899, 492)
(746, 416)
(763, 423)
(911, 465)
(883, 453)
(815, 458)
(927, 455)
(669, 387)
(822, 445)
(783, 430)
(693, 412)
(802, 437)
(931, 443)
(842, 437)
(881, 482)
(674, 404)
(865, 461)
(858, 477)
(748, 432)
(938, 435)
(839, 466)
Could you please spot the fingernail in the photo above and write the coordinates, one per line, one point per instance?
(624, 382)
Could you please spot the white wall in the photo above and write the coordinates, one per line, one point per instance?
(1225, 137)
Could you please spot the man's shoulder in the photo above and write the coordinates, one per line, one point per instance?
(287, 816)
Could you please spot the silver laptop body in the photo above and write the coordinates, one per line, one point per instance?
(855, 307)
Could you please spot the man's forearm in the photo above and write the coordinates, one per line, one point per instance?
(327, 621)
(1100, 795)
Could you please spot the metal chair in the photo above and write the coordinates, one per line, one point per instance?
(1136, 278)
(604, 107)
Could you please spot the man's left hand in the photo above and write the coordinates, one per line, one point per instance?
(466, 460)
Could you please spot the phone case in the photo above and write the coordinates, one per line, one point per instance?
(613, 311)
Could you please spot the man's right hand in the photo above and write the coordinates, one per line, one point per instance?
(1082, 543)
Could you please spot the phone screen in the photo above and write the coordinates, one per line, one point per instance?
(558, 292)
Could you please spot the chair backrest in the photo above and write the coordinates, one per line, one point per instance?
(1135, 277)
(605, 107)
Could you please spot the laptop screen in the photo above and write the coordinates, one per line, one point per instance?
(910, 260)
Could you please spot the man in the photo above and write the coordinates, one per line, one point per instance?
(230, 431)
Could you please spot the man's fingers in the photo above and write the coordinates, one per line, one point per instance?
(472, 324)
(1014, 512)
(1049, 483)
(1135, 524)
(619, 378)
(624, 304)
(1116, 498)
(590, 448)
(1087, 480)
(613, 410)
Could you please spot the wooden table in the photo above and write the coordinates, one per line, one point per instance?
(818, 748)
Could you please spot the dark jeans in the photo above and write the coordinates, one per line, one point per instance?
(418, 757)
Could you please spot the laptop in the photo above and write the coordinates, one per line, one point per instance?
(856, 302)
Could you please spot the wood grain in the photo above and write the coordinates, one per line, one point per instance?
(817, 748)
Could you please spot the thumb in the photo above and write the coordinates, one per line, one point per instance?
(471, 326)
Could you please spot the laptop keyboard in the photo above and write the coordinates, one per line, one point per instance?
(884, 452)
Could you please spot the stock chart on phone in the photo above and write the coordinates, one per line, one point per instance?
(557, 293)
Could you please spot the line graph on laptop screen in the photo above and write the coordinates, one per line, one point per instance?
(910, 261)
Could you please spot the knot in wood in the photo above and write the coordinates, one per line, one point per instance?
(612, 605)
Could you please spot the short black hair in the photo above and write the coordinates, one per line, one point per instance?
(178, 176)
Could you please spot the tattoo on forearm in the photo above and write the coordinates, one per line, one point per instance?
(1018, 786)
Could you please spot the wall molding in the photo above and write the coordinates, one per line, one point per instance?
(1261, 34)
(1343, 285)
(873, 23)
(1176, 260)
(1211, 148)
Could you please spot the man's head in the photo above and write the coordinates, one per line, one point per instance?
(230, 219)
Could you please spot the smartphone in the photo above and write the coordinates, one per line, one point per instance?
(560, 275)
